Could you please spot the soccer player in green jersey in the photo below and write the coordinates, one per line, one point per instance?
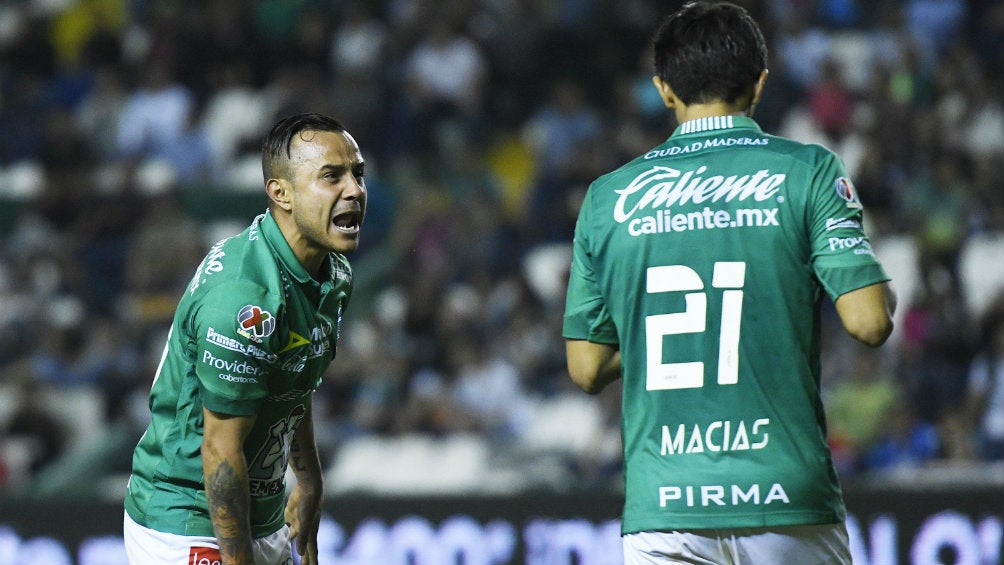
(697, 275)
(251, 338)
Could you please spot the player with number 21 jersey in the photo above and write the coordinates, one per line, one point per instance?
(724, 226)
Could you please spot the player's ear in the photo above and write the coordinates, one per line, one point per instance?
(665, 92)
(280, 192)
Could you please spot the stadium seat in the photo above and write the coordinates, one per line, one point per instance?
(569, 423)
(981, 270)
(414, 464)
(898, 254)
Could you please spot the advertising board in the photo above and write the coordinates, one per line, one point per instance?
(916, 527)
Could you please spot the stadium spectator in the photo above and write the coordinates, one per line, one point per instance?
(445, 78)
(42, 437)
(97, 115)
(905, 442)
(155, 114)
(562, 132)
(858, 409)
(985, 393)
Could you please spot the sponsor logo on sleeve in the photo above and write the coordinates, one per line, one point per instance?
(255, 323)
(226, 342)
(838, 223)
(858, 245)
(845, 189)
(240, 372)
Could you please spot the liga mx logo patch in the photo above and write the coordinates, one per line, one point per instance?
(846, 190)
(255, 323)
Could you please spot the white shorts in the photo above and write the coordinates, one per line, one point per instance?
(149, 547)
(805, 545)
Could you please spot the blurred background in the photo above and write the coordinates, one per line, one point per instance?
(129, 143)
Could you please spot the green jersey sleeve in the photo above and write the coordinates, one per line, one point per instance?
(586, 314)
(842, 256)
(234, 322)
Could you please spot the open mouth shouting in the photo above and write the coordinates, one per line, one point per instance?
(347, 221)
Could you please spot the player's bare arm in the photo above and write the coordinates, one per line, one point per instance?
(303, 509)
(592, 366)
(866, 313)
(227, 485)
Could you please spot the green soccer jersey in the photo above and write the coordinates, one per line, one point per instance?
(704, 261)
(253, 334)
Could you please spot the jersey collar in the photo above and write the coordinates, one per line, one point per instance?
(713, 123)
(273, 235)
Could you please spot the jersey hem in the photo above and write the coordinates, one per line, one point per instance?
(692, 522)
(592, 339)
(843, 280)
(256, 532)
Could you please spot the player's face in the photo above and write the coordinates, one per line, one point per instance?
(329, 193)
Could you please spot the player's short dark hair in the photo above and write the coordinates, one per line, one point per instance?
(709, 51)
(278, 143)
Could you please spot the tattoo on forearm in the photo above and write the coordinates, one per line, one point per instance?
(296, 456)
(229, 501)
(303, 459)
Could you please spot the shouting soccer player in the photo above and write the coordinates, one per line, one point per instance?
(251, 338)
(697, 274)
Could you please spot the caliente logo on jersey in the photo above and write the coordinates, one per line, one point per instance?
(664, 187)
(645, 203)
(255, 323)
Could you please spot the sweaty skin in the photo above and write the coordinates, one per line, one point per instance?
(324, 189)
(303, 509)
(227, 484)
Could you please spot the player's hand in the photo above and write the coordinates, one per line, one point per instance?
(303, 514)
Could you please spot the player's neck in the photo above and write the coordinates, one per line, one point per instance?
(310, 256)
(685, 113)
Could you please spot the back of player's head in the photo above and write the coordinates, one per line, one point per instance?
(709, 51)
(277, 145)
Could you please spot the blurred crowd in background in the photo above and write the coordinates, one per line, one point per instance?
(130, 143)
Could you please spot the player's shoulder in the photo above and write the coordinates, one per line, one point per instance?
(616, 176)
(233, 308)
(810, 154)
(233, 291)
(237, 266)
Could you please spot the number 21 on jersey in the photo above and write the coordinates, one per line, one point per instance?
(730, 276)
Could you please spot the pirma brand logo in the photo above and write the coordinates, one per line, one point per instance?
(846, 190)
(255, 323)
